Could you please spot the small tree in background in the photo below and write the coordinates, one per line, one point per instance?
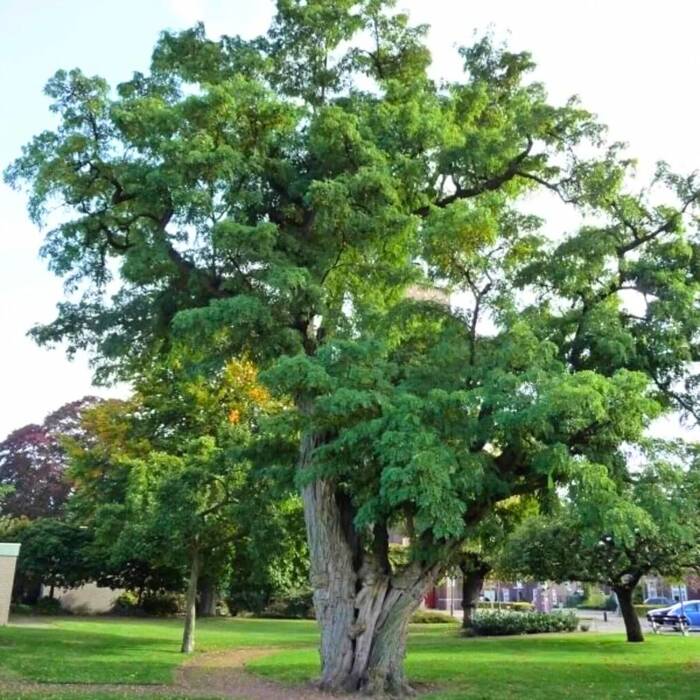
(53, 553)
(270, 560)
(648, 522)
(33, 461)
(162, 482)
(482, 552)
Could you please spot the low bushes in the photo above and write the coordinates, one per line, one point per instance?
(598, 601)
(498, 623)
(574, 600)
(642, 610)
(43, 606)
(126, 604)
(163, 604)
(516, 606)
(294, 605)
(431, 617)
(152, 604)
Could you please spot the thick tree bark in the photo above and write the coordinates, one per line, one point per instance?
(474, 572)
(362, 609)
(387, 645)
(633, 626)
(191, 609)
(208, 598)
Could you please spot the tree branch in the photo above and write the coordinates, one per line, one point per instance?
(489, 185)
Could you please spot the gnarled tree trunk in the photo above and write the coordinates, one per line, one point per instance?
(633, 626)
(362, 608)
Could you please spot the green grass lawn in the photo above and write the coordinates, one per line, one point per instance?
(99, 650)
(589, 666)
(108, 650)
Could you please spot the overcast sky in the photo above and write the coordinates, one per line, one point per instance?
(634, 63)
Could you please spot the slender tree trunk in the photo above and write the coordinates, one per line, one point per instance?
(474, 572)
(191, 609)
(361, 608)
(633, 626)
(208, 598)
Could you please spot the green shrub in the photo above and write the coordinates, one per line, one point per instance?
(21, 609)
(574, 600)
(431, 617)
(126, 604)
(49, 606)
(43, 606)
(503, 622)
(598, 601)
(248, 602)
(642, 610)
(294, 605)
(162, 604)
(515, 606)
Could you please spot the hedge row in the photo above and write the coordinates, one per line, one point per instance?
(517, 606)
(498, 623)
(432, 617)
(642, 610)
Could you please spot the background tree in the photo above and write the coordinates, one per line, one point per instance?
(269, 558)
(53, 553)
(279, 197)
(162, 481)
(200, 525)
(482, 552)
(33, 463)
(650, 523)
(102, 472)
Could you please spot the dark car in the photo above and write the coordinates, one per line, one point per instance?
(660, 601)
(679, 616)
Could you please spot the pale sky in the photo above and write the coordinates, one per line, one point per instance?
(634, 63)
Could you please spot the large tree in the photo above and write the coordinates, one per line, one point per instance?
(289, 196)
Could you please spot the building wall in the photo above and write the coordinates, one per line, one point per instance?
(9, 551)
(445, 597)
(657, 586)
(89, 599)
(7, 577)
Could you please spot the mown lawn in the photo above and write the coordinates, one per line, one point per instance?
(117, 650)
(587, 666)
(450, 668)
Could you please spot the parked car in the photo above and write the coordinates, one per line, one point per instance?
(679, 616)
(659, 600)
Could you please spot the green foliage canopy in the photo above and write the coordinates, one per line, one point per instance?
(647, 523)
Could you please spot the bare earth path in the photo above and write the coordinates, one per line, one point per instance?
(223, 674)
(219, 674)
